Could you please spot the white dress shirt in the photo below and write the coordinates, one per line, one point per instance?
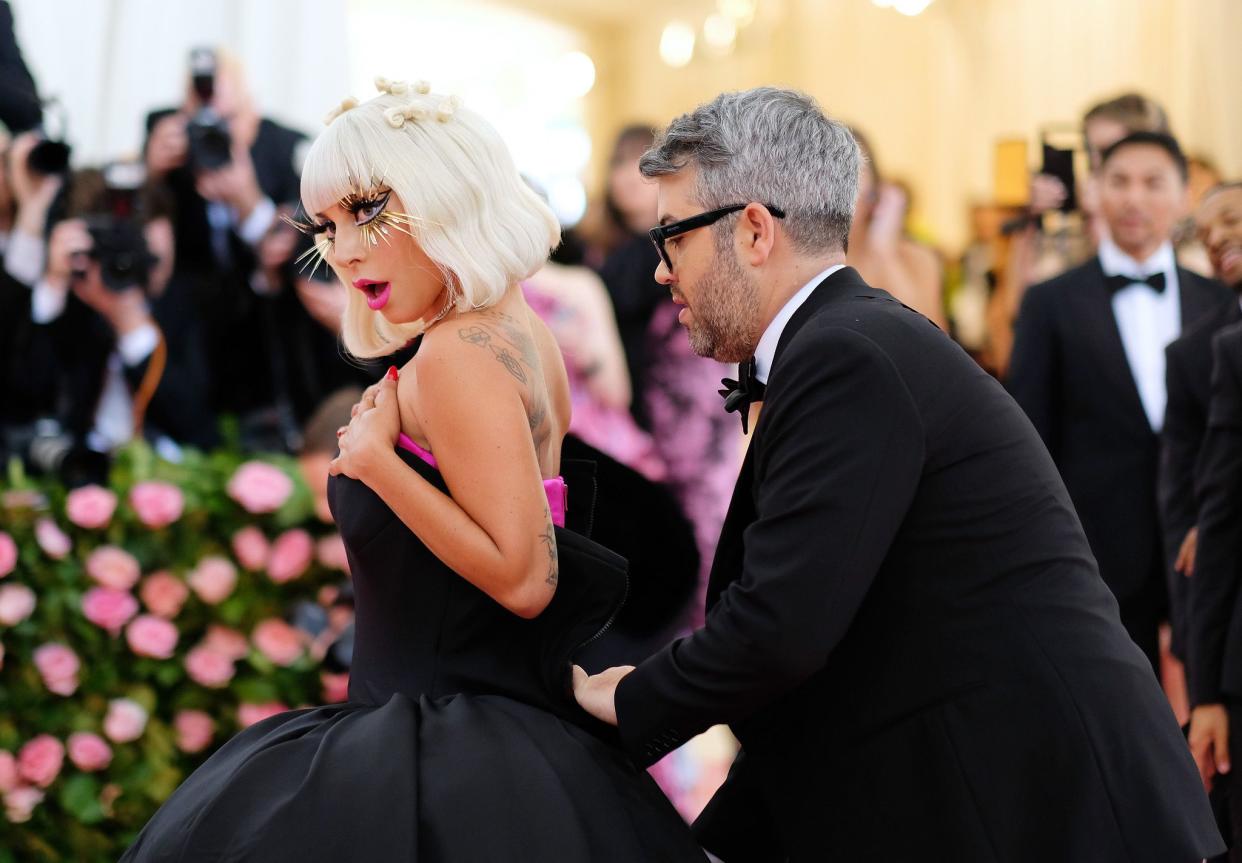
(766, 352)
(1147, 320)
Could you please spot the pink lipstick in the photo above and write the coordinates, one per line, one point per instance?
(377, 293)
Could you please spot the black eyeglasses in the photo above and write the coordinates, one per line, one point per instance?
(661, 233)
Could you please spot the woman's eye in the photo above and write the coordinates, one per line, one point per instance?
(368, 210)
(328, 229)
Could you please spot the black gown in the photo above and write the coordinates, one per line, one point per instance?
(461, 740)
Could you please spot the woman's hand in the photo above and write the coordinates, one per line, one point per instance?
(367, 443)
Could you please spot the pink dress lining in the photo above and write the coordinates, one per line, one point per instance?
(555, 488)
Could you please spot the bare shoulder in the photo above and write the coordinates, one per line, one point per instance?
(487, 338)
(494, 352)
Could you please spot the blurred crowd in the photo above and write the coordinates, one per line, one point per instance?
(168, 299)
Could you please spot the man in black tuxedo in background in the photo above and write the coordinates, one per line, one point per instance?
(224, 212)
(1088, 367)
(906, 629)
(1214, 631)
(1188, 373)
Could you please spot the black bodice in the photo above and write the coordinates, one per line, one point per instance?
(423, 630)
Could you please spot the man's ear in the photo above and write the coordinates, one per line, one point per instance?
(757, 232)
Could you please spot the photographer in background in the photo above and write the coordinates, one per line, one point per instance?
(228, 169)
(111, 347)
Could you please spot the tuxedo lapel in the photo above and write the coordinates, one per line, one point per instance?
(1094, 307)
(1195, 301)
(727, 563)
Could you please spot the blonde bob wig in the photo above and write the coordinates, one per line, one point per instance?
(468, 208)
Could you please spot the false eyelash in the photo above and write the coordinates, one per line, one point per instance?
(309, 228)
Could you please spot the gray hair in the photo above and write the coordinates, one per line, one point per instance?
(773, 146)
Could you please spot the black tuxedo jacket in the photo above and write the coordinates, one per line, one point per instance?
(907, 631)
(1188, 378)
(1070, 374)
(1215, 632)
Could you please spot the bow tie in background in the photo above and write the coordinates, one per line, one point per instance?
(739, 395)
(1155, 281)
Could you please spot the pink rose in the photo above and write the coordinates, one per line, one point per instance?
(52, 539)
(208, 667)
(40, 760)
(125, 721)
(19, 803)
(17, 602)
(89, 752)
(335, 686)
(152, 636)
(251, 548)
(226, 641)
(194, 730)
(113, 567)
(278, 641)
(8, 771)
(213, 579)
(331, 553)
(58, 666)
(291, 555)
(163, 594)
(8, 554)
(260, 487)
(90, 506)
(249, 714)
(158, 504)
(107, 608)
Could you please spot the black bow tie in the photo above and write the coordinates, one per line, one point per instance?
(1155, 281)
(741, 394)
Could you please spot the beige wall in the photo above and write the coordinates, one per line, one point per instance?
(935, 92)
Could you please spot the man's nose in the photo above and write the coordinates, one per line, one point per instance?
(663, 275)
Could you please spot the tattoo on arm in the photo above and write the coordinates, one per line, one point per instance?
(548, 538)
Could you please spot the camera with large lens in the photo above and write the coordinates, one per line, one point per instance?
(209, 145)
(45, 446)
(117, 241)
(50, 156)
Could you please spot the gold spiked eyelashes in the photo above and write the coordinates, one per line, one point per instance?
(378, 226)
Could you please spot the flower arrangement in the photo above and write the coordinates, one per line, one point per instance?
(141, 625)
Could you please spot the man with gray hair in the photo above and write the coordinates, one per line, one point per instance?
(906, 630)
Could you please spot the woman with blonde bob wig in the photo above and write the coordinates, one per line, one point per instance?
(461, 739)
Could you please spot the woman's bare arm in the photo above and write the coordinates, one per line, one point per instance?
(495, 530)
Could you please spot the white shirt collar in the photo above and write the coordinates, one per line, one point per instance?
(1115, 262)
(766, 352)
